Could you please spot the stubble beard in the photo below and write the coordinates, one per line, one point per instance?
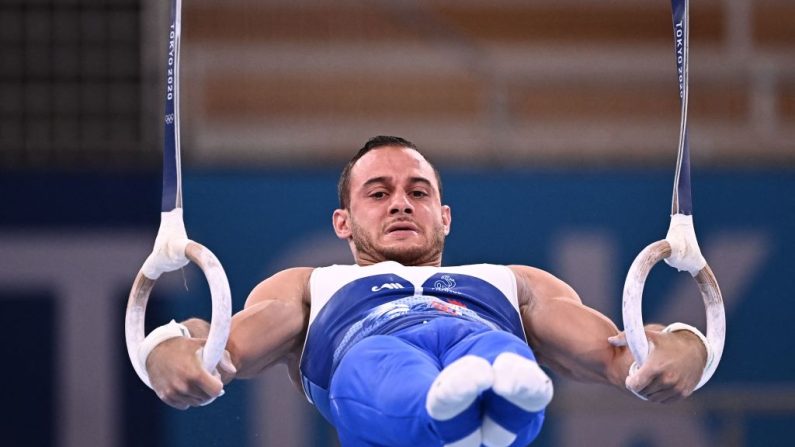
(414, 255)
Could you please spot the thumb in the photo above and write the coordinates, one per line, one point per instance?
(629, 383)
(226, 368)
(631, 380)
(618, 340)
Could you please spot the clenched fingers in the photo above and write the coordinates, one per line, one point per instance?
(191, 392)
(664, 387)
(177, 375)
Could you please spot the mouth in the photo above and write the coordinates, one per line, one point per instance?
(401, 228)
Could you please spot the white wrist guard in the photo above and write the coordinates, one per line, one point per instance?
(157, 336)
(708, 368)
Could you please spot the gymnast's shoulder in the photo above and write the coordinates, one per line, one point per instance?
(291, 285)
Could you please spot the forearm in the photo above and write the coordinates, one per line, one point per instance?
(260, 335)
(264, 334)
(583, 344)
(595, 350)
(572, 339)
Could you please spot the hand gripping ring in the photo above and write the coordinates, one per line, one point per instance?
(633, 317)
(221, 308)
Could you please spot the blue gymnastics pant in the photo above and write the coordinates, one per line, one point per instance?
(378, 391)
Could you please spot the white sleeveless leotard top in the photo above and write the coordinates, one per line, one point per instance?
(351, 302)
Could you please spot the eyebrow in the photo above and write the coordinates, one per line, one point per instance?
(385, 180)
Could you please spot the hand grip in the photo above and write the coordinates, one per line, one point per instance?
(221, 309)
(633, 315)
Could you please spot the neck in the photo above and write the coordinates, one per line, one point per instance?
(363, 260)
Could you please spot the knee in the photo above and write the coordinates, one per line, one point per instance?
(490, 344)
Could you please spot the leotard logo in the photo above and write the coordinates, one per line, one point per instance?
(445, 283)
(389, 285)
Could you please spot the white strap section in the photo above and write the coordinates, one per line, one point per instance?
(495, 435)
(168, 253)
(685, 253)
(711, 365)
(157, 336)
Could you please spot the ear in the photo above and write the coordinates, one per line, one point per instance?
(447, 219)
(341, 221)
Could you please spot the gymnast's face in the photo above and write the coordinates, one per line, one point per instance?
(395, 211)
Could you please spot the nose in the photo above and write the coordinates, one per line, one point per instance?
(401, 204)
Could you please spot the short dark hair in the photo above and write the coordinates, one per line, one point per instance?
(344, 184)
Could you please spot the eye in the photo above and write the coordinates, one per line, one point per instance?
(418, 194)
(378, 194)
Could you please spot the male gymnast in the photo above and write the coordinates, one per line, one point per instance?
(397, 350)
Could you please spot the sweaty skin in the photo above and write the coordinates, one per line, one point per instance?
(395, 213)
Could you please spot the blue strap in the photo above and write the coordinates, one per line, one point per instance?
(682, 202)
(172, 176)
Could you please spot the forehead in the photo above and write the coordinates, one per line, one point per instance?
(392, 162)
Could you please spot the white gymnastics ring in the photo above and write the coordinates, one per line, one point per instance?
(221, 308)
(633, 316)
